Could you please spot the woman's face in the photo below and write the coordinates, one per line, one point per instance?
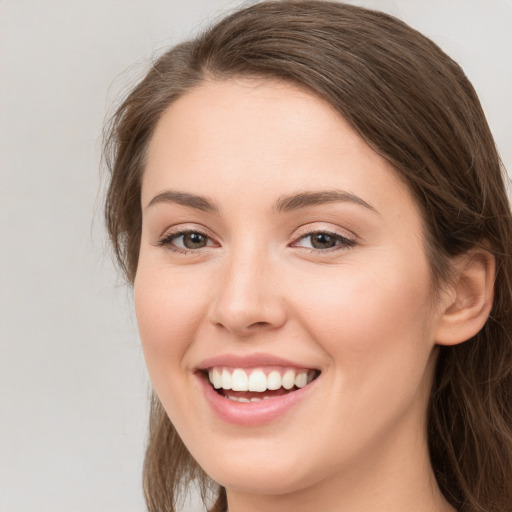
(279, 250)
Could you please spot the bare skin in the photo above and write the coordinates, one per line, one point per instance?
(240, 257)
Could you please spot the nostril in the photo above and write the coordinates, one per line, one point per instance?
(258, 324)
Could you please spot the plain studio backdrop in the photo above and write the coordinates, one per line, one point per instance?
(73, 386)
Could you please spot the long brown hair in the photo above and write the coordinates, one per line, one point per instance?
(414, 106)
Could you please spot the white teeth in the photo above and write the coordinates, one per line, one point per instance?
(226, 379)
(241, 399)
(239, 379)
(301, 379)
(257, 381)
(288, 379)
(216, 378)
(274, 380)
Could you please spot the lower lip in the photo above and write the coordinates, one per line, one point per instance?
(253, 413)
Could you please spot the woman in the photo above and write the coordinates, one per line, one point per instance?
(309, 203)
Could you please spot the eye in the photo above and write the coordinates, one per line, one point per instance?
(185, 241)
(323, 241)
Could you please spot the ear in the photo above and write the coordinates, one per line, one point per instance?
(468, 301)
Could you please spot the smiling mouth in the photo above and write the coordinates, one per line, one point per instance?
(253, 385)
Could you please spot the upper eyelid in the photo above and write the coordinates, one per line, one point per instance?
(347, 242)
(177, 234)
(337, 231)
(169, 235)
(168, 240)
(301, 232)
(179, 229)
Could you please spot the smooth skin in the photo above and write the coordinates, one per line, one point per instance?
(230, 265)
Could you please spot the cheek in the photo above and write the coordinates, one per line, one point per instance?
(168, 314)
(373, 327)
(371, 319)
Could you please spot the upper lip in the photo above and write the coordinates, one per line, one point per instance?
(250, 361)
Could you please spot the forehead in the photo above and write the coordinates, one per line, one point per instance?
(267, 138)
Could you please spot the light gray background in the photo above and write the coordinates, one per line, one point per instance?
(73, 386)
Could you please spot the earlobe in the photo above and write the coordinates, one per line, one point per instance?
(468, 303)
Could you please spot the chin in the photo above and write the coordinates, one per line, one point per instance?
(264, 480)
(258, 473)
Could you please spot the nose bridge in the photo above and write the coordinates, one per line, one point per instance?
(247, 299)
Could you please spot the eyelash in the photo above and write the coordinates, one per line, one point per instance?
(342, 242)
(168, 240)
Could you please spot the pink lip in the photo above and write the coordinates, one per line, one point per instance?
(255, 413)
(249, 361)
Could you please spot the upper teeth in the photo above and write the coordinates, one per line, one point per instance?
(239, 379)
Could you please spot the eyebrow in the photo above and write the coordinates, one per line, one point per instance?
(306, 199)
(185, 199)
(283, 204)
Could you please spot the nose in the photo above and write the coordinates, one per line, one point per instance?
(249, 298)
